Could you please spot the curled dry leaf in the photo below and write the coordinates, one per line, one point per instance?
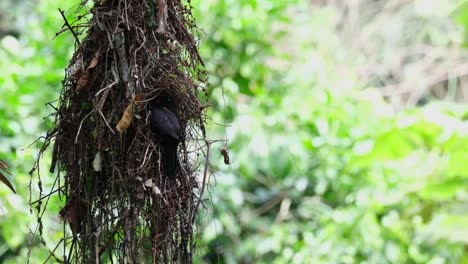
(3, 178)
(127, 116)
(126, 119)
(138, 98)
(94, 61)
(150, 184)
(225, 153)
(83, 81)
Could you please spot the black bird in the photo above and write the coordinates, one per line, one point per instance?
(166, 126)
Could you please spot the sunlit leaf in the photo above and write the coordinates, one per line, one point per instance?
(450, 227)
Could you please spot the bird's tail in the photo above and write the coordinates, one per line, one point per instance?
(170, 160)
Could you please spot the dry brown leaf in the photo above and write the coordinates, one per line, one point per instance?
(93, 62)
(82, 82)
(127, 116)
(225, 153)
(4, 166)
(126, 119)
(138, 98)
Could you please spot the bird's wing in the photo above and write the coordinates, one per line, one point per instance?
(175, 126)
(166, 123)
(159, 118)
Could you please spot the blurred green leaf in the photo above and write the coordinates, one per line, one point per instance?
(448, 227)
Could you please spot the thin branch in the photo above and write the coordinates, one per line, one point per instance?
(69, 26)
(205, 174)
(81, 124)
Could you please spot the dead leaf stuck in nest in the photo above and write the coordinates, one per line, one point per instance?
(150, 184)
(138, 98)
(83, 81)
(97, 162)
(127, 116)
(76, 70)
(126, 119)
(225, 153)
(94, 61)
(3, 178)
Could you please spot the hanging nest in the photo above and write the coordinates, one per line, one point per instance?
(119, 205)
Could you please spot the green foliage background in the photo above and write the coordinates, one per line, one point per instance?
(324, 170)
